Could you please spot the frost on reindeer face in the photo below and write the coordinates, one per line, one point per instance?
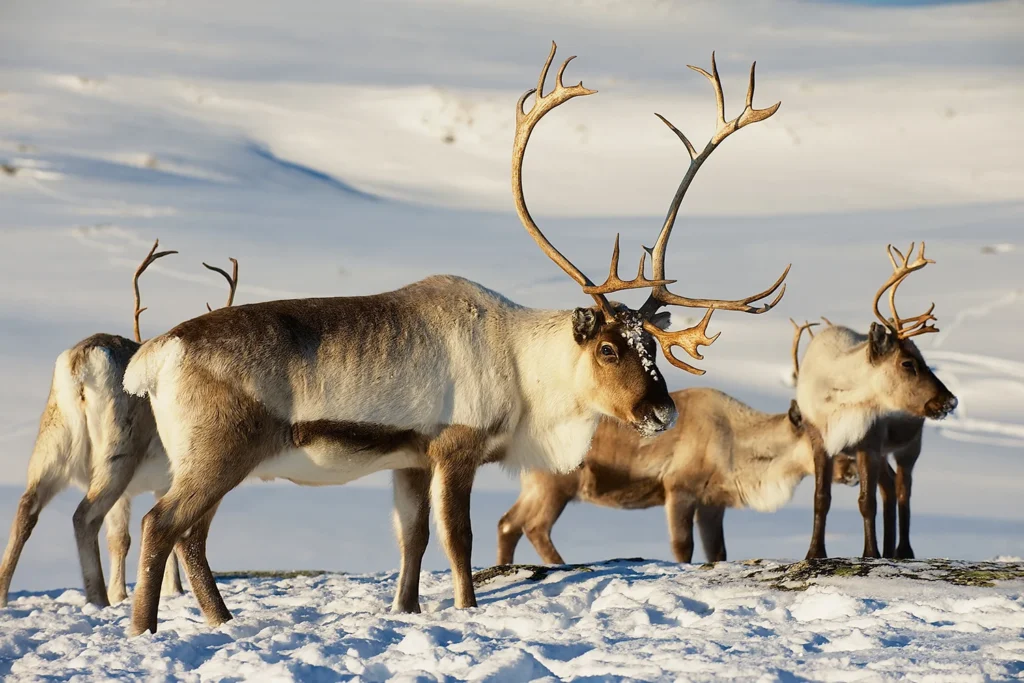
(626, 382)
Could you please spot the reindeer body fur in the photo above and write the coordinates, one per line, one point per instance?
(721, 453)
(832, 391)
(406, 379)
(868, 395)
(442, 375)
(100, 439)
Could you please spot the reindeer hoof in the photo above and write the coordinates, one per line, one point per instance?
(816, 554)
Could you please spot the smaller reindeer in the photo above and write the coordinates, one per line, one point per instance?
(721, 453)
(868, 395)
(900, 435)
(94, 435)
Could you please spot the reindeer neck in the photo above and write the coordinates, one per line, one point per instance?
(556, 424)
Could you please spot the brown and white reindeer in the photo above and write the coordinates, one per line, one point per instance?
(94, 435)
(720, 454)
(431, 380)
(869, 395)
(901, 436)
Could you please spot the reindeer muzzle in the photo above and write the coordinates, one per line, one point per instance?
(657, 419)
(940, 406)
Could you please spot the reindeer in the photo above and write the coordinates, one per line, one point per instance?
(94, 435)
(869, 394)
(431, 380)
(901, 436)
(722, 453)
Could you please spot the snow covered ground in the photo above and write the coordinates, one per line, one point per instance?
(348, 148)
(617, 621)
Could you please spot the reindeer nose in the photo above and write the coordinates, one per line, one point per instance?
(665, 416)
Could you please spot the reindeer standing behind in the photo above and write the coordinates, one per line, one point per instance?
(94, 435)
(721, 453)
(432, 381)
(869, 395)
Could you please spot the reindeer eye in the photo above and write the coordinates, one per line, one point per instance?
(909, 366)
(608, 350)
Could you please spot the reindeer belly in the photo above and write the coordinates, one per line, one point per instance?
(317, 466)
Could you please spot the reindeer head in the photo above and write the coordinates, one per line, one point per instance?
(618, 343)
(900, 374)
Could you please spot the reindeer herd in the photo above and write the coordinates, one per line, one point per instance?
(440, 377)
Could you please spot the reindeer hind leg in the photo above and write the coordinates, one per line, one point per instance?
(412, 528)
(37, 496)
(118, 542)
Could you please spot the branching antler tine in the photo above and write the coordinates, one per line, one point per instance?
(153, 255)
(662, 297)
(888, 250)
(525, 123)
(232, 280)
(689, 340)
(561, 70)
(613, 269)
(680, 135)
(750, 87)
(520, 112)
(798, 333)
(643, 262)
(615, 284)
(716, 82)
(544, 71)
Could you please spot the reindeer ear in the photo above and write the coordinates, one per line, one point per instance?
(585, 322)
(795, 416)
(662, 319)
(881, 341)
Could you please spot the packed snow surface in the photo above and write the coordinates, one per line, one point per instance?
(650, 621)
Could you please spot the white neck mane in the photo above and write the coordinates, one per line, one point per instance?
(556, 426)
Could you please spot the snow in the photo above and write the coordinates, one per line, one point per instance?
(350, 148)
(616, 620)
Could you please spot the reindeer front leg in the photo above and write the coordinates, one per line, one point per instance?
(822, 502)
(455, 455)
(680, 507)
(711, 522)
(887, 486)
(905, 460)
(868, 466)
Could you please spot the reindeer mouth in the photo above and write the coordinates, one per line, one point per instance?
(939, 409)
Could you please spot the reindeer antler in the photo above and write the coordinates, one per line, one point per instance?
(150, 257)
(232, 280)
(799, 331)
(525, 123)
(904, 328)
(660, 295)
(689, 339)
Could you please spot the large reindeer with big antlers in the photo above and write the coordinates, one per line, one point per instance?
(720, 454)
(869, 395)
(431, 380)
(94, 435)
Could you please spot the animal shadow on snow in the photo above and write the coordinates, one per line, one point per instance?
(552, 581)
